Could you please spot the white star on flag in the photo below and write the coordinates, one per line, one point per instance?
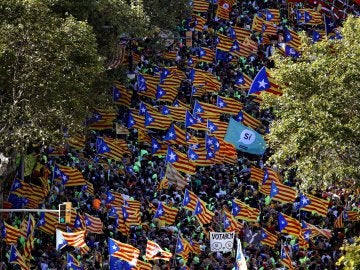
(172, 156)
(262, 83)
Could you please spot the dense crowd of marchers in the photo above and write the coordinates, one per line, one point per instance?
(158, 171)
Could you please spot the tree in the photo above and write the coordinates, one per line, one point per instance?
(166, 14)
(351, 258)
(112, 19)
(48, 66)
(317, 126)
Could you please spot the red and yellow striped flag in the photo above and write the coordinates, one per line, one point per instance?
(155, 252)
(317, 205)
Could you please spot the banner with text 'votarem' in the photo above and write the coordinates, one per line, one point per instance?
(221, 241)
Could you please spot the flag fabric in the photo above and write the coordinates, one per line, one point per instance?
(290, 51)
(120, 225)
(241, 49)
(311, 203)
(194, 247)
(242, 80)
(116, 263)
(182, 248)
(199, 22)
(263, 82)
(224, 43)
(272, 15)
(166, 93)
(228, 105)
(203, 214)
(123, 251)
(247, 120)
(77, 142)
(267, 238)
(122, 95)
(206, 54)
(101, 119)
(158, 148)
(175, 177)
(256, 174)
(154, 252)
(315, 231)
(69, 176)
(131, 215)
(118, 57)
(269, 176)
(169, 55)
(329, 25)
(176, 113)
(141, 265)
(262, 26)
(353, 215)
(156, 120)
(29, 237)
(292, 38)
(78, 222)
(163, 184)
(93, 224)
(114, 198)
(202, 108)
(339, 222)
(240, 262)
(244, 138)
(147, 85)
(72, 263)
(318, 35)
(240, 210)
(238, 33)
(200, 157)
(180, 161)
(311, 17)
(230, 223)
(194, 122)
(10, 234)
(220, 55)
(197, 77)
(135, 120)
(111, 148)
(285, 258)
(31, 194)
(190, 200)
(223, 11)
(16, 258)
(289, 225)
(282, 193)
(74, 239)
(166, 213)
(88, 187)
(175, 135)
(47, 223)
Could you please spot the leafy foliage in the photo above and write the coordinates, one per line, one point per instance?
(351, 258)
(317, 129)
(166, 14)
(48, 66)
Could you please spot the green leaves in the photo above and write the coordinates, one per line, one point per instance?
(48, 65)
(318, 115)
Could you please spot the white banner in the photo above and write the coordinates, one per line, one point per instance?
(221, 241)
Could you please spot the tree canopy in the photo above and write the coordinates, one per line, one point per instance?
(48, 65)
(52, 56)
(317, 126)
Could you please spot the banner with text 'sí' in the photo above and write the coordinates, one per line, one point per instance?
(245, 138)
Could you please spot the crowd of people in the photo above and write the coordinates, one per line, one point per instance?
(138, 174)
